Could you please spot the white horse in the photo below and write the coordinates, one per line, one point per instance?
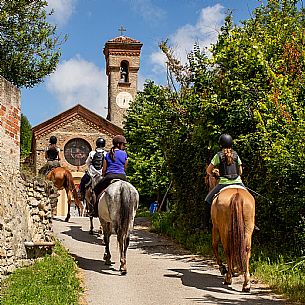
(116, 210)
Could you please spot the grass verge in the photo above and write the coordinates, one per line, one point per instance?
(287, 278)
(50, 281)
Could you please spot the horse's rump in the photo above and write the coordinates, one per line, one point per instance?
(118, 204)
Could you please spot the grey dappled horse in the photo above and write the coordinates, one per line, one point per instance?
(116, 209)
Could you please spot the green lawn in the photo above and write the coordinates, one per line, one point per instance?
(49, 281)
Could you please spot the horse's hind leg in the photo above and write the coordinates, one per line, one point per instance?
(124, 243)
(107, 232)
(91, 225)
(215, 239)
(247, 282)
(228, 278)
(69, 205)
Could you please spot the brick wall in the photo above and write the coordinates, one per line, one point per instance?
(25, 208)
(10, 119)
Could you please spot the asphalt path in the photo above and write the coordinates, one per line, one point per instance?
(159, 271)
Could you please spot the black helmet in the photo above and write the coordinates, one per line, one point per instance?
(53, 140)
(118, 139)
(225, 141)
(100, 143)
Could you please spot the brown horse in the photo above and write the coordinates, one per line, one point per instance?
(233, 216)
(62, 179)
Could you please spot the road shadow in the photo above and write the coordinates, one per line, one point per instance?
(216, 292)
(162, 246)
(95, 265)
(77, 233)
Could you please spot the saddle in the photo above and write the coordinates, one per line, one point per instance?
(93, 211)
(230, 186)
(49, 166)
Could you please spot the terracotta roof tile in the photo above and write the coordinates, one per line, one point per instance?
(123, 39)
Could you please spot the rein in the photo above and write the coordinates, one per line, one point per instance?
(258, 194)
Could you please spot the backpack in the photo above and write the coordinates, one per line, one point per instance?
(97, 160)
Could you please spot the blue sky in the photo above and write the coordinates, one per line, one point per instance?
(80, 76)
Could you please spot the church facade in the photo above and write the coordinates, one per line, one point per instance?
(76, 131)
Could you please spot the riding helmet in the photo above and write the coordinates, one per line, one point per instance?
(118, 140)
(225, 141)
(53, 140)
(100, 143)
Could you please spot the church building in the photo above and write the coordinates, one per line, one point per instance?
(78, 128)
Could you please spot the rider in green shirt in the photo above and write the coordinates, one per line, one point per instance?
(229, 165)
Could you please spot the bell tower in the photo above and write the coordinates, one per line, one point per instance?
(122, 64)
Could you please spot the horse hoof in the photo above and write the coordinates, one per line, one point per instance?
(108, 262)
(123, 272)
(67, 219)
(226, 283)
(91, 232)
(246, 289)
(223, 270)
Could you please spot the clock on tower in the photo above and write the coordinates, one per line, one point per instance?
(123, 99)
(122, 64)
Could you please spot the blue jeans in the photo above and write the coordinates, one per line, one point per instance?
(216, 190)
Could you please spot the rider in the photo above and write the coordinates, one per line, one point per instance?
(115, 164)
(229, 164)
(95, 165)
(52, 156)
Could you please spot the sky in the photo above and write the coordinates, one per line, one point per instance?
(80, 76)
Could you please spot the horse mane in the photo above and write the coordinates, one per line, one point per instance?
(211, 181)
(237, 246)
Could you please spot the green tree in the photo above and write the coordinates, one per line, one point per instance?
(252, 87)
(25, 136)
(145, 130)
(29, 46)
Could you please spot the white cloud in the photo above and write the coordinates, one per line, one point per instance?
(204, 32)
(147, 10)
(63, 10)
(78, 81)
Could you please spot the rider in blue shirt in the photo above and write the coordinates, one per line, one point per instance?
(115, 164)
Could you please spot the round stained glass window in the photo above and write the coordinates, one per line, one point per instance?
(76, 151)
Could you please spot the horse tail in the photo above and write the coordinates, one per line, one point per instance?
(125, 211)
(237, 247)
(69, 184)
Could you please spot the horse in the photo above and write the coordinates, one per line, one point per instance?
(89, 201)
(117, 208)
(62, 179)
(233, 219)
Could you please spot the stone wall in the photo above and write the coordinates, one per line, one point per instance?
(25, 206)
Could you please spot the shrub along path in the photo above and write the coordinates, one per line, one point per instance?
(159, 271)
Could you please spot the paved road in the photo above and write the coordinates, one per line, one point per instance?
(159, 272)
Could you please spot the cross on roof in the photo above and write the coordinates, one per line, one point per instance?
(121, 29)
